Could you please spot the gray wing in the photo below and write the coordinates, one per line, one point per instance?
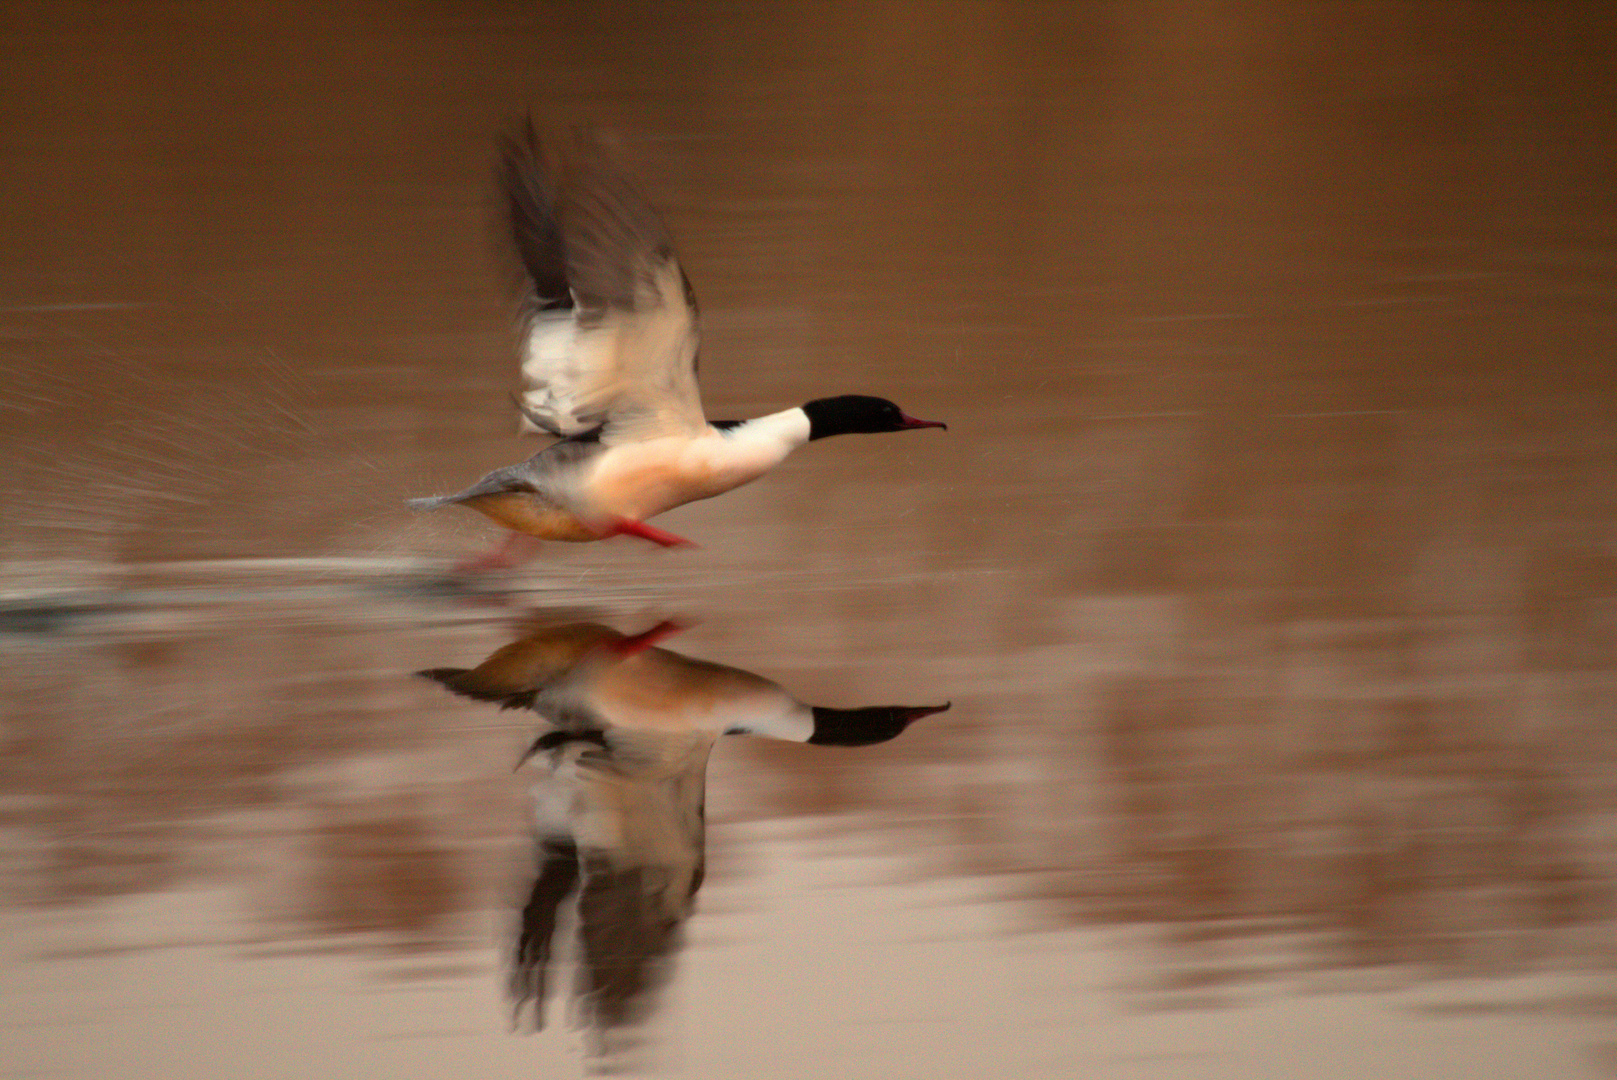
(609, 334)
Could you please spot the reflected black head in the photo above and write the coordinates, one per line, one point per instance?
(856, 414)
(866, 727)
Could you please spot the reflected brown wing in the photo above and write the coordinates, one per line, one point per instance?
(610, 335)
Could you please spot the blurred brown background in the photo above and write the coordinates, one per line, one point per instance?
(1269, 558)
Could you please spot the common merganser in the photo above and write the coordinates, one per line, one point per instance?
(609, 360)
(620, 796)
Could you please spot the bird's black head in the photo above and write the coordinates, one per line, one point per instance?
(856, 414)
(866, 727)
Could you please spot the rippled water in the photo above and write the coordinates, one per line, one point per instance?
(1268, 561)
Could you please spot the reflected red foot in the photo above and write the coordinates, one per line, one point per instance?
(630, 527)
(634, 643)
(516, 549)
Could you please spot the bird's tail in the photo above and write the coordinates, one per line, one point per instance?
(448, 676)
(468, 683)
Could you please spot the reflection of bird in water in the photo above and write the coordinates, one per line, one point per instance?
(619, 802)
(609, 366)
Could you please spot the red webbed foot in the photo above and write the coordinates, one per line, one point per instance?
(629, 527)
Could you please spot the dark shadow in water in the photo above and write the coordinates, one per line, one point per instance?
(620, 783)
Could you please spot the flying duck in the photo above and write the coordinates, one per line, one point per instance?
(608, 366)
(619, 799)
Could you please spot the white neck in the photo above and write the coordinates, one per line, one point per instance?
(764, 442)
(744, 453)
(790, 428)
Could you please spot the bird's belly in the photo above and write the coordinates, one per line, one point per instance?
(639, 485)
(529, 514)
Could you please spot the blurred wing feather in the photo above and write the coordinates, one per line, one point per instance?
(609, 335)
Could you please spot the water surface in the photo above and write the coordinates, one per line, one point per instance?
(1268, 560)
